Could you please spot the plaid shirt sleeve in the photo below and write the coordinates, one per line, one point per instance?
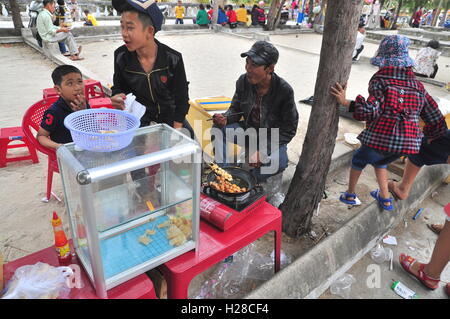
(370, 109)
(435, 125)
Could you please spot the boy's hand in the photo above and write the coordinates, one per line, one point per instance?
(118, 101)
(79, 103)
(339, 92)
(64, 29)
(177, 125)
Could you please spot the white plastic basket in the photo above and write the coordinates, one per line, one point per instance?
(102, 130)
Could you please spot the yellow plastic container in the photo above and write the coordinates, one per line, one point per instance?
(200, 111)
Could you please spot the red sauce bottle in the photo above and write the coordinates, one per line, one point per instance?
(61, 242)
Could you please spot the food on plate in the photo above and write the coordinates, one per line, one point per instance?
(185, 225)
(150, 232)
(176, 236)
(165, 224)
(144, 240)
(225, 186)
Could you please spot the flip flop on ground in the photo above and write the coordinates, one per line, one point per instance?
(407, 262)
(76, 58)
(435, 228)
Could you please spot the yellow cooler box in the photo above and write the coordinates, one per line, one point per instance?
(200, 112)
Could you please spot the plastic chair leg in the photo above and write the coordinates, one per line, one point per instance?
(49, 181)
(32, 150)
(3, 151)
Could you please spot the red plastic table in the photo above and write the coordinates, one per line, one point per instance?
(140, 287)
(215, 245)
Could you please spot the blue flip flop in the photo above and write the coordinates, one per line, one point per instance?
(376, 194)
(355, 201)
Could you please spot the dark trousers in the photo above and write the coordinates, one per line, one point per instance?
(358, 51)
(179, 21)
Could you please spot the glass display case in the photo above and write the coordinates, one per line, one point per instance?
(133, 209)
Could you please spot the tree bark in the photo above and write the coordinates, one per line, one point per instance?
(447, 5)
(436, 15)
(272, 16)
(215, 12)
(15, 10)
(394, 23)
(308, 183)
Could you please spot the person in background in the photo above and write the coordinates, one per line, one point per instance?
(255, 14)
(261, 14)
(202, 16)
(222, 17)
(91, 21)
(179, 13)
(231, 17)
(210, 12)
(74, 10)
(51, 33)
(359, 41)
(249, 18)
(59, 22)
(241, 15)
(416, 18)
(425, 64)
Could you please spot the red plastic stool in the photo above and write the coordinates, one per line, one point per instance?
(11, 134)
(50, 92)
(100, 102)
(93, 89)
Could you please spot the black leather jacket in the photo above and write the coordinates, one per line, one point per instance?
(278, 109)
(164, 91)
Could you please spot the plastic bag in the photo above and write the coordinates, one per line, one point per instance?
(235, 277)
(342, 286)
(39, 281)
(379, 254)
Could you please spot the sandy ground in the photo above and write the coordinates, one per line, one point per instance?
(212, 63)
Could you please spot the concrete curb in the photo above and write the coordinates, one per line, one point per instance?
(313, 272)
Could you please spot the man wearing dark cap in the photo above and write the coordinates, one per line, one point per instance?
(270, 117)
(150, 70)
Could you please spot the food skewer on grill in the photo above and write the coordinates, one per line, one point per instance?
(220, 172)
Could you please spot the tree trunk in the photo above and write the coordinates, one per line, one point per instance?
(278, 16)
(436, 15)
(394, 23)
(308, 183)
(15, 10)
(215, 12)
(446, 7)
(310, 14)
(272, 16)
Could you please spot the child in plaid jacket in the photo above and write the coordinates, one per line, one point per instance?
(396, 102)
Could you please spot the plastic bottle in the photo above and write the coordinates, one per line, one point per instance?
(61, 242)
(403, 291)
